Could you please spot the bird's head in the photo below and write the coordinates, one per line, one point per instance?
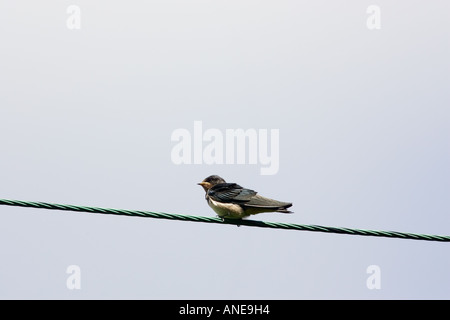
(210, 182)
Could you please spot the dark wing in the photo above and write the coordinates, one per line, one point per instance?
(262, 202)
(230, 192)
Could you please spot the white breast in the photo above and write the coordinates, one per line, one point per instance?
(226, 210)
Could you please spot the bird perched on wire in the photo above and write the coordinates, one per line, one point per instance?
(231, 201)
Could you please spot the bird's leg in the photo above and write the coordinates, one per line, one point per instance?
(223, 218)
(237, 224)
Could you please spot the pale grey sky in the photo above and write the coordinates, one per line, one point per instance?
(87, 117)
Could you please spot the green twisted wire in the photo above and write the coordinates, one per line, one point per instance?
(249, 223)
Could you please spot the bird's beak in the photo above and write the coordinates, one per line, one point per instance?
(205, 185)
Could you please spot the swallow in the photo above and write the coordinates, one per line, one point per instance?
(231, 201)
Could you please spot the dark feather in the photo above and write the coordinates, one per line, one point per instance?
(258, 201)
(230, 192)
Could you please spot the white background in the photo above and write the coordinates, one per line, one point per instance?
(86, 119)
